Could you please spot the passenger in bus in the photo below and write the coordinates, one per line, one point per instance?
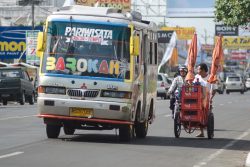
(93, 49)
(60, 46)
(71, 50)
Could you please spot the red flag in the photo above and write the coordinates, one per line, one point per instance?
(216, 61)
(192, 55)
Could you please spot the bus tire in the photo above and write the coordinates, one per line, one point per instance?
(125, 133)
(53, 131)
(141, 129)
(68, 130)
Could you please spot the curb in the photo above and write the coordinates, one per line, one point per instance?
(248, 160)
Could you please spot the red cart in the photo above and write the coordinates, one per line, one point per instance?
(194, 111)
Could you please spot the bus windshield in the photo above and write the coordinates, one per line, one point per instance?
(87, 49)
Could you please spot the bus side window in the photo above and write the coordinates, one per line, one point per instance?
(151, 53)
(155, 53)
(137, 60)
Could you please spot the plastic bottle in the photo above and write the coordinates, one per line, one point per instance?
(197, 83)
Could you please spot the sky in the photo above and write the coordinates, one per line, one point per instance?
(205, 27)
(190, 3)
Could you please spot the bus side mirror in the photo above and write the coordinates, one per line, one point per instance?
(134, 45)
(39, 47)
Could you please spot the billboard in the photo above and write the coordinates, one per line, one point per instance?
(226, 30)
(31, 43)
(13, 41)
(164, 36)
(124, 5)
(237, 55)
(190, 8)
(236, 42)
(183, 33)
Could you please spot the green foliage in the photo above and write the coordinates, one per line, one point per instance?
(233, 12)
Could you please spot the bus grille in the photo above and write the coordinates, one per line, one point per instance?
(83, 93)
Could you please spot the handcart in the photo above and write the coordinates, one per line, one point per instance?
(193, 110)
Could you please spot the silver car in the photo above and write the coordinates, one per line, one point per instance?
(248, 83)
(234, 84)
(163, 84)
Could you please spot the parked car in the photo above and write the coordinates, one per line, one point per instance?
(220, 86)
(16, 85)
(163, 84)
(248, 83)
(234, 84)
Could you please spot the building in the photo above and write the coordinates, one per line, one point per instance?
(12, 13)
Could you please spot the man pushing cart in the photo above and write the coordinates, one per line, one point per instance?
(194, 109)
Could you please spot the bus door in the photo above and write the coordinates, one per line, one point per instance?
(145, 52)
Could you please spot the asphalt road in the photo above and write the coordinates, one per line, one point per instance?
(23, 141)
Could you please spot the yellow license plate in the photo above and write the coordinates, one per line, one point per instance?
(81, 112)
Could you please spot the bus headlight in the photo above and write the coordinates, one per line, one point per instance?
(116, 94)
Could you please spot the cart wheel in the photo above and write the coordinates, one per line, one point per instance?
(210, 126)
(177, 125)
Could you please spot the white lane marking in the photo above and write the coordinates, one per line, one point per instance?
(221, 104)
(10, 155)
(229, 102)
(17, 117)
(248, 160)
(220, 151)
(168, 115)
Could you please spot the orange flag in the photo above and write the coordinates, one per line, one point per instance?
(216, 61)
(192, 55)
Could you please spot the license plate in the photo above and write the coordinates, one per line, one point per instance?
(81, 112)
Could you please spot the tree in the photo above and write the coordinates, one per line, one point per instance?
(233, 12)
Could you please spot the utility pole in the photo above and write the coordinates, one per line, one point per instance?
(33, 14)
(32, 3)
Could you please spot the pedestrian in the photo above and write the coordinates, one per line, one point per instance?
(177, 83)
(202, 76)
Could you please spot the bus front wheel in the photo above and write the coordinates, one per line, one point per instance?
(53, 131)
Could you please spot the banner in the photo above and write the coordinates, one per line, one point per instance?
(13, 41)
(31, 42)
(173, 62)
(124, 5)
(236, 42)
(183, 33)
(167, 55)
(238, 55)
